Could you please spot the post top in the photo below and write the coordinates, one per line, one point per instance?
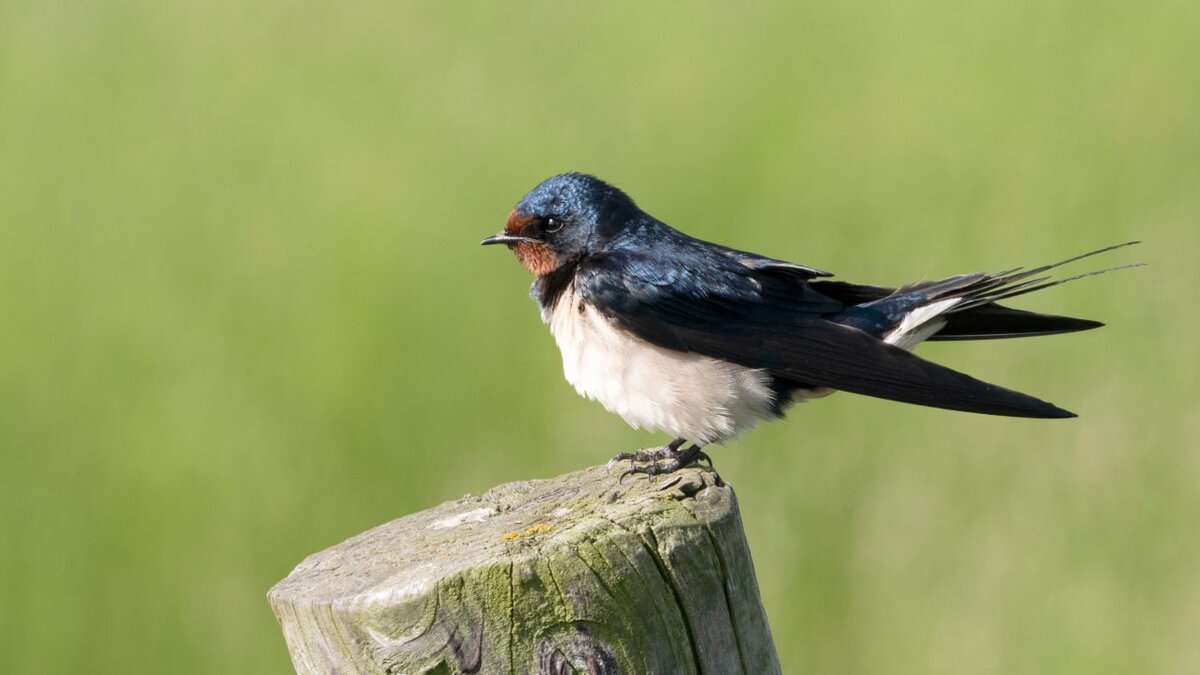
(509, 523)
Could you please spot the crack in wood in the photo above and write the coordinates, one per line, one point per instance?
(470, 647)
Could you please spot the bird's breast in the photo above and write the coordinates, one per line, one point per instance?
(685, 394)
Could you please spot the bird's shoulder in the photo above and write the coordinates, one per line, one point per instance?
(624, 275)
(688, 280)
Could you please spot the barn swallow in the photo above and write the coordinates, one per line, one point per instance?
(702, 341)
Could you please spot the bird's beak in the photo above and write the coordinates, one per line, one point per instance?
(504, 238)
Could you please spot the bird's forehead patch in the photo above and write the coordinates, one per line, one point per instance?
(517, 223)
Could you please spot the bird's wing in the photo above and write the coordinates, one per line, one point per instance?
(725, 310)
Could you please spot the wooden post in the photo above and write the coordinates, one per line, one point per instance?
(575, 574)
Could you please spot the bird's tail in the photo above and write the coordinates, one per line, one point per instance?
(977, 316)
(979, 288)
(958, 308)
(966, 305)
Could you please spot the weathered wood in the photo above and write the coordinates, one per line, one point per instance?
(578, 573)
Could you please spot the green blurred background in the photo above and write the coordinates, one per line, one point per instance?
(244, 315)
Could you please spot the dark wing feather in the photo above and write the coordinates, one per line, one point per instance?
(725, 310)
(771, 265)
(992, 321)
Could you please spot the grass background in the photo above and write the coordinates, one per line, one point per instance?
(243, 313)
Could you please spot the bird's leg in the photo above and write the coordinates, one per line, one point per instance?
(680, 460)
(669, 450)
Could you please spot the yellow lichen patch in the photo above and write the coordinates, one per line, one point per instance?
(540, 528)
(509, 536)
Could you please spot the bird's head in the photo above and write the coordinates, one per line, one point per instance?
(563, 220)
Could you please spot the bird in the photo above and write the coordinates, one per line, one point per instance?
(702, 341)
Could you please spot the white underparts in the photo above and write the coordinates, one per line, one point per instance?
(687, 395)
(920, 324)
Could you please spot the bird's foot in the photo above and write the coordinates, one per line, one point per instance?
(643, 456)
(663, 461)
(648, 455)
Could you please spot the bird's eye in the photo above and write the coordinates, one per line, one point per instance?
(552, 224)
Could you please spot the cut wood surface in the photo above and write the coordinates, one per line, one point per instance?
(574, 574)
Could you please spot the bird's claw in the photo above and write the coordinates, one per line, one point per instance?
(650, 462)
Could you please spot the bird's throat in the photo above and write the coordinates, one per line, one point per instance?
(535, 257)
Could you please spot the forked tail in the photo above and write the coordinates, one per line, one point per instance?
(967, 304)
